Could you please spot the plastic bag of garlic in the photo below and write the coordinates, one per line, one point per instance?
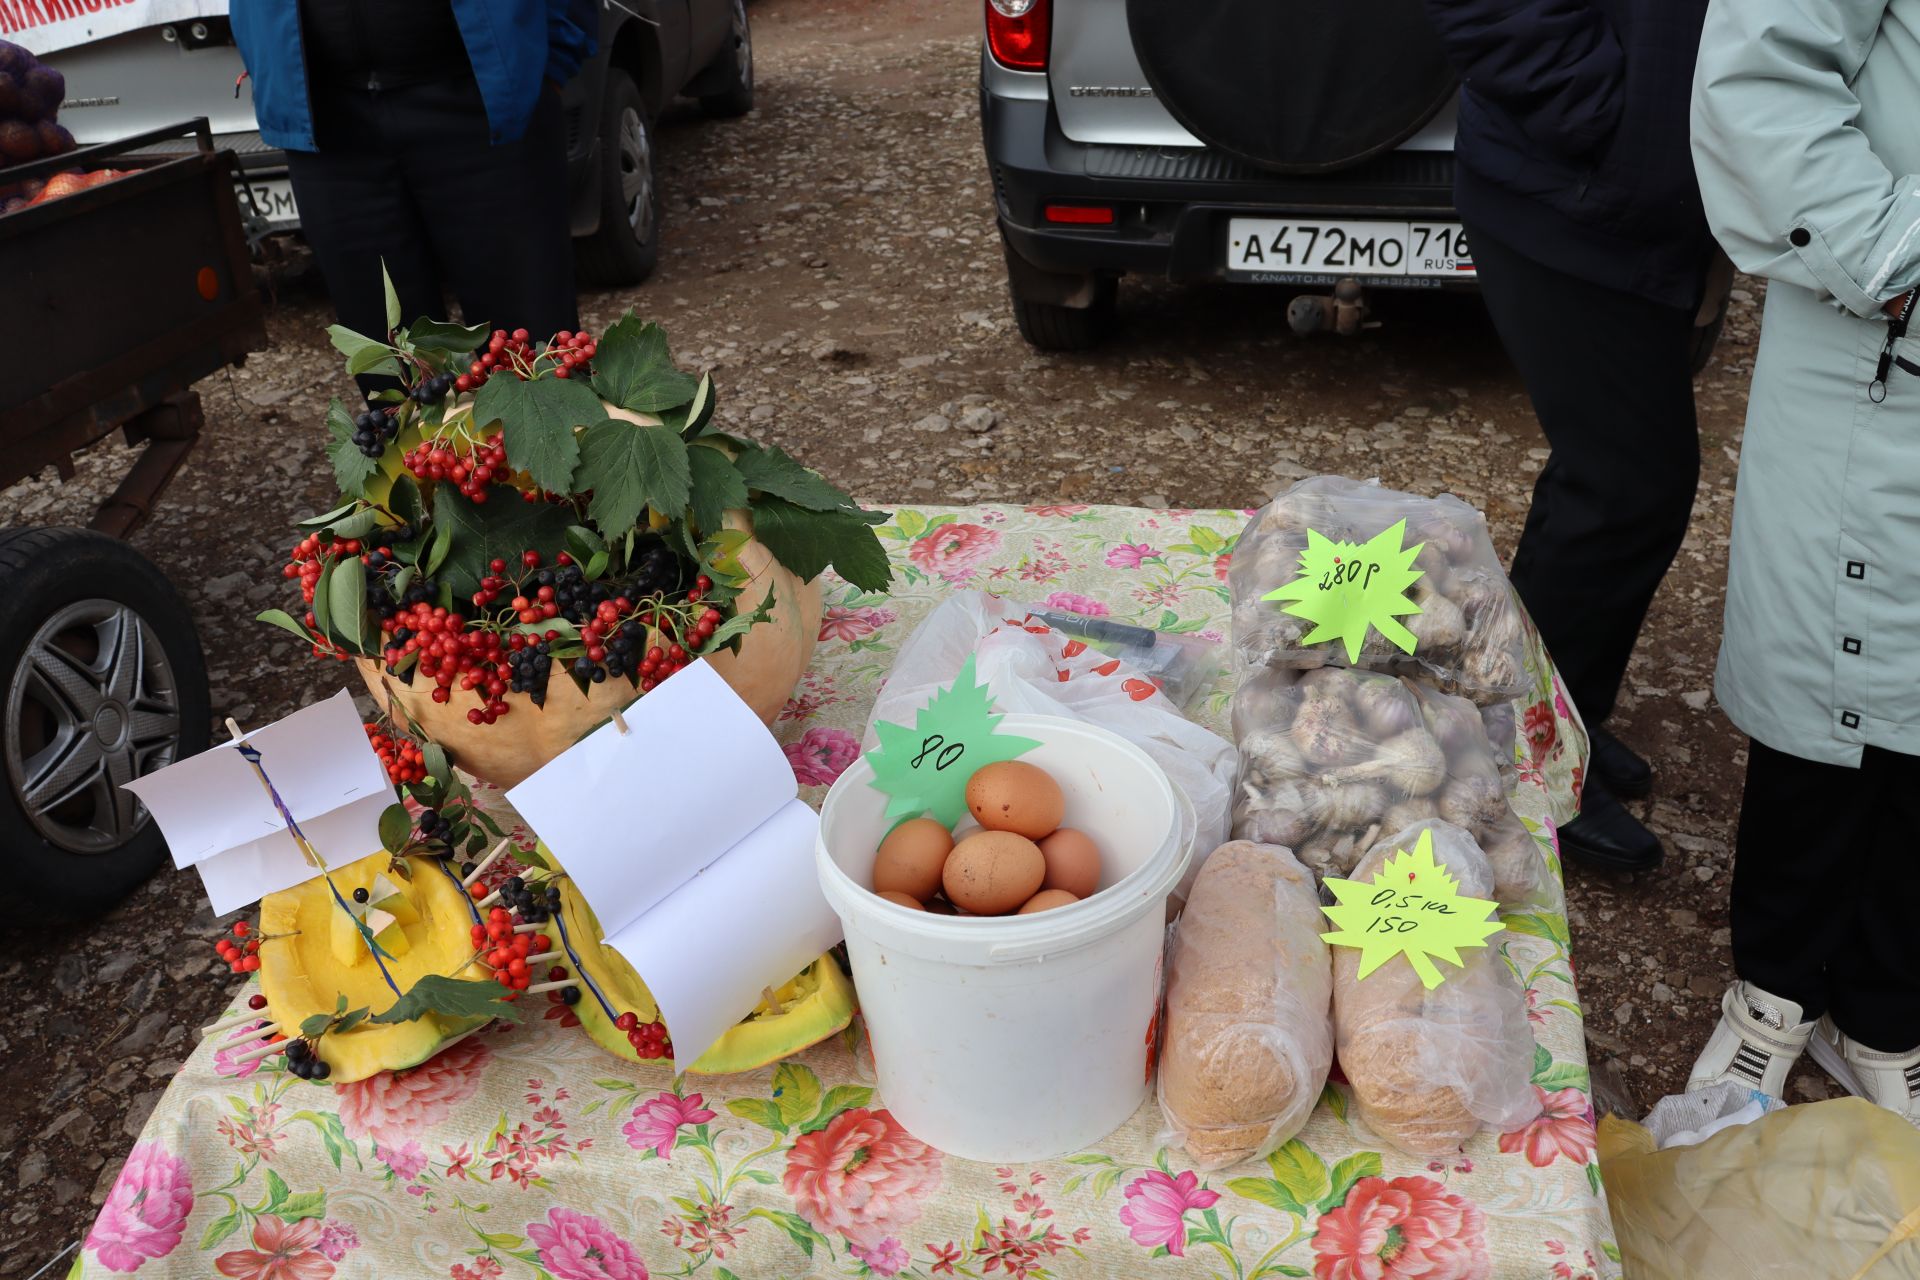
(1469, 639)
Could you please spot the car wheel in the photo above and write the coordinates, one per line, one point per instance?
(1051, 327)
(736, 99)
(627, 245)
(103, 682)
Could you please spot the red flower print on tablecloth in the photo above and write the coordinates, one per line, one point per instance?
(822, 755)
(145, 1212)
(281, 1251)
(848, 625)
(863, 1176)
(1542, 731)
(1565, 1128)
(944, 1256)
(1222, 563)
(1059, 511)
(578, 1246)
(1534, 1012)
(656, 1122)
(390, 1106)
(255, 1132)
(481, 1268)
(1073, 602)
(1130, 555)
(954, 551)
(1399, 1230)
(1156, 1209)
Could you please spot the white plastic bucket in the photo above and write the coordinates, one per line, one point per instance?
(1017, 1037)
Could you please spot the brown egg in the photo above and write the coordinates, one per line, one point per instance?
(910, 859)
(991, 873)
(939, 907)
(1047, 900)
(1016, 797)
(906, 900)
(1073, 862)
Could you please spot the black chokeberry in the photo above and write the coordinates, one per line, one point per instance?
(319, 1070)
(361, 895)
(467, 869)
(570, 994)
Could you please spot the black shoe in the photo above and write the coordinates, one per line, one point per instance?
(1608, 838)
(1614, 763)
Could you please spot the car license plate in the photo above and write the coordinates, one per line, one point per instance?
(1288, 247)
(274, 198)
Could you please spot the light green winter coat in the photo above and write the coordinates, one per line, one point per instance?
(1806, 120)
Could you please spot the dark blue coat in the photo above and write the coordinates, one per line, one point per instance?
(1572, 146)
(514, 45)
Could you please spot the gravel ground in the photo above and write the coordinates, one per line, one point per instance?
(832, 260)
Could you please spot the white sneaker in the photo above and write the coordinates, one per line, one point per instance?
(1756, 1043)
(1890, 1080)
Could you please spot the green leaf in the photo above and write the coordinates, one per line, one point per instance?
(332, 1133)
(760, 1111)
(398, 584)
(393, 298)
(395, 826)
(1542, 1060)
(629, 469)
(357, 524)
(633, 368)
(308, 1204)
(351, 468)
(796, 1227)
(796, 1092)
(326, 518)
(583, 543)
(276, 1191)
(454, 999)
(347, 602)
(364, 354)
(1267, 1192)
(842, 1097)
(1104, 1181)
(286, 622)
(434, 756)
(501, 530)
(1303, 1174)
(1362, 1164)
(1611, 1249)
(315, 1025)
(501, 1240)
(440, 335)
(925, 769)
(403, 499)
(441, 546)
(1593, 1178)
(1564, 1075)
(808, 541)
(219, 1229)
(770, 470)
(537, 420)
(322, 599)
(691, 419)
(594, 567)
(717, 487)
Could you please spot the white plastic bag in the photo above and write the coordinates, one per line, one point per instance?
(1468, 632)
(1430, 1068)
(1031, 667)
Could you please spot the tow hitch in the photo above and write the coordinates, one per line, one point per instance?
(1344, 311)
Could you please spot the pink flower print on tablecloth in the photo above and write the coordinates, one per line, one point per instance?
(1130, 555)
(888, 1258)
(1071, 602)
(578, 1246)
(954, 551)
(656, 1122)
(393, 1105)
(145, 1212)
(1565, 1128)
(863, 1176)
(237, 1044)
(841, 623)
(281, 1251)
(337, 1239)
(1156, 1209)
(1541, 731)
(406, 1163)
(822, 755)
(1399, 1230)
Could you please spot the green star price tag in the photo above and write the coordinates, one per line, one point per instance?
(924, 769)
(1411, 908)
(1346, 587)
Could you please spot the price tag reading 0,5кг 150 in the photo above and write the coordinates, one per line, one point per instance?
(924, 769)
(1344, 588)
(1412, 907)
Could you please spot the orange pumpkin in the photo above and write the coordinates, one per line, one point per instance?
(769, 663)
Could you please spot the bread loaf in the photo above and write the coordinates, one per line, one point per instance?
(1429, 1068)
(1249, 988)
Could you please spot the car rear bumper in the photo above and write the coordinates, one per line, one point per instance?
(1172, 204)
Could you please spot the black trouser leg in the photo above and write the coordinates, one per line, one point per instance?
(356, 213)
(1608, 376)
(1824, 881)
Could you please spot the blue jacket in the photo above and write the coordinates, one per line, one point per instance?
(1572, 147)
(514, 45)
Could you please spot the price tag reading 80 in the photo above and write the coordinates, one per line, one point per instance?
(924, 769)
(1411, 907)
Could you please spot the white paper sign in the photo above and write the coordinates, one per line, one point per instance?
(688, 838)
(44, 26)
(218, 818)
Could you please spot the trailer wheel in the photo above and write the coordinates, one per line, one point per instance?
(103, 681)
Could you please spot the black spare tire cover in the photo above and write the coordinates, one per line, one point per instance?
(1299, 86)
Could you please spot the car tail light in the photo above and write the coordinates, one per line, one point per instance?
(1017, 33)
(1085, 215)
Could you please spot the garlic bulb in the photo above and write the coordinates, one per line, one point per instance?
(1354, 805)
(1384, 707)
(1407, 764)
(1439, 627)
(1324, 731)
(1475, 803)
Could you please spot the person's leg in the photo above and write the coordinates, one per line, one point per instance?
(1609, 377)
(497, 215)
(1874, 975)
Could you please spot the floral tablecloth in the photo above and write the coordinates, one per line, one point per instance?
(526, 1151)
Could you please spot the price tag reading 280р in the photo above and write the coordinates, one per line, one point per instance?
(1412, 907)
(1344, 588)
(924, 769)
